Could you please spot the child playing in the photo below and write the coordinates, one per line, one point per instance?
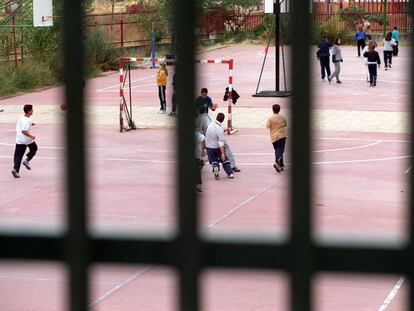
(373, 60)
(162, 75)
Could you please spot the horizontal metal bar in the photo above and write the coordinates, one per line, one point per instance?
(365, 260)
(227, 254)
(29, 246)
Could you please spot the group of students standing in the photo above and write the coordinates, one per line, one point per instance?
(373, 60)
(390, 48)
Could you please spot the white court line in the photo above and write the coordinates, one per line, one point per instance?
(408, 170)
(350, 148)
(210, 226)
(240, 163)
(120, 286)
(43, 147)
(117, 85)
(341, 138)
(392, 294)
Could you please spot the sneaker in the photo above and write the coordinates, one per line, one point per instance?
(386, 68)
(329, 80)
(15, 174)
(198, 188)
(230, 176)
(282, 168)
(389, 66)
(160, 111)
(277, 167)
(172, 114)
(216, 172)
(339, 81)
(26, 165)
(323, 79)
(236, 169)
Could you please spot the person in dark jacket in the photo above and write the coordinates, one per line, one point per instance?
(373, 61)
(323, 56)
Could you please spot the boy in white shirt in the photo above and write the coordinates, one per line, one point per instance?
(23, 140)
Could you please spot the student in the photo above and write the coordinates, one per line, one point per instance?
(389, 43)
(23, 140)
(215, 147)
(162, 75)
(360, 38)
(373, 60)
(396, 37)
(323, 56)
(366, 49)
(337, 60)
(205, 100)
(199, 155)
(202, 122)
(367, 29)
(173, 112)
(277, 124)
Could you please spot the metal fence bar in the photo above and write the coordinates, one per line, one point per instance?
(300, 193)
(188, 253)
(77, 255)
(411, 178)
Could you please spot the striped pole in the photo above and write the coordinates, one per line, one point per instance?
(230, 129)
(121, 95)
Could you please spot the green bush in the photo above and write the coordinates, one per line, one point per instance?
(99, 53)
(26, 77)
(333, 28)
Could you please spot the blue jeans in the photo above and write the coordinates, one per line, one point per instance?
(279, 146)
(214, 158)
(324, 60)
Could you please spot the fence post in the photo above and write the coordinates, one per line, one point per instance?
(208, 26)
(122, 32)
(14, 42)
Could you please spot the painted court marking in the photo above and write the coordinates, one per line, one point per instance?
(210, 226)
(392, 294)
(120, 286)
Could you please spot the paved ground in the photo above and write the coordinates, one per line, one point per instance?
(360, 154)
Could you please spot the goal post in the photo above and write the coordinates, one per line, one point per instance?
(125, 111)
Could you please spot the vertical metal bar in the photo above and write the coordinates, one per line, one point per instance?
(188, 260)
(77, 239)
(301, 246)
(410, 13)
(14, 42)
(276, 11)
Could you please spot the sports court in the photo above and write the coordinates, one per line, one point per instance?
(360, 163)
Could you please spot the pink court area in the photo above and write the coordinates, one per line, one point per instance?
(360, 193)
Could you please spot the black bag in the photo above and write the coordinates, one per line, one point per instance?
(234, 95)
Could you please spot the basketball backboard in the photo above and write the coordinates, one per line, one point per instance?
(285, 6)
(42, 13)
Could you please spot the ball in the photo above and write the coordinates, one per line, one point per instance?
(63, 106)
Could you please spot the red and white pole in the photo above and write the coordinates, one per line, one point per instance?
(121, 95)
(230, 129)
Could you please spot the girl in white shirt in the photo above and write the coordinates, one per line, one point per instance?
(389, 42)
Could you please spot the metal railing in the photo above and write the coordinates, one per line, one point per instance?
(187, 252)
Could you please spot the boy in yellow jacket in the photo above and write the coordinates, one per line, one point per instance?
(162, 75)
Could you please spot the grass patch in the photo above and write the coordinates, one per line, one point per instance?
(26, 77)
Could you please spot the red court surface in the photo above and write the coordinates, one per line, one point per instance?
(359, 193)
